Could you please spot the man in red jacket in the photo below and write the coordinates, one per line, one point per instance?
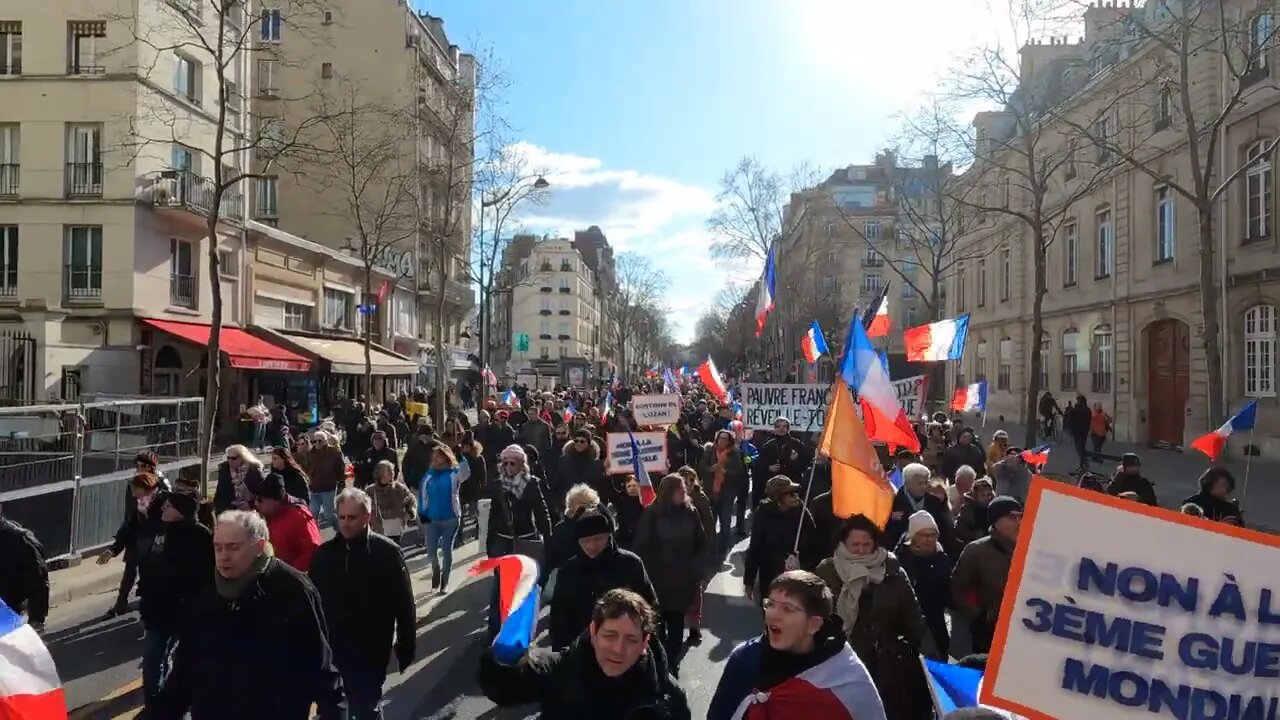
(294, 535)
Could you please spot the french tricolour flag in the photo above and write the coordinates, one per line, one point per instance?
(972, 398)
(647, 493)
(569, 411)
(954, 687)
(943, 340)
(882, 414)
(669, 384)
(606, 405)
(880, 324)
(510, 399)
(518, 595)
(29, 686)
(813, 344)
(1212, 444)
(837, 688)
(710, 377)
(764, 301)
(1038, 456)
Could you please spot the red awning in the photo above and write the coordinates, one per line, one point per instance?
(245, 351)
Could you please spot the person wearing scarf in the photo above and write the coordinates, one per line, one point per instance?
(519, 521)
(879, 614)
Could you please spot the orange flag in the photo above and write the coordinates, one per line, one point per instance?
(858, 484)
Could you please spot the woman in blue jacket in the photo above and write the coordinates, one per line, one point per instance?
(439, 509)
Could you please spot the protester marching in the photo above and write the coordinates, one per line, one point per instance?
(883, 549)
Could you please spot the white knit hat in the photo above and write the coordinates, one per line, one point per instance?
(513, 451)
(920, 520)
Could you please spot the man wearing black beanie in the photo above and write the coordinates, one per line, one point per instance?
(978, 581)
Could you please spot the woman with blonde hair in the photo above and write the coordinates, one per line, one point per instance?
(239, 478)
(672, 541)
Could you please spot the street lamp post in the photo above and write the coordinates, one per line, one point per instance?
(486, 309)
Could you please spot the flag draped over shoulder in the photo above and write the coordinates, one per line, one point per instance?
(29, 685)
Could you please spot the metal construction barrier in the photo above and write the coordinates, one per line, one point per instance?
(65, 468)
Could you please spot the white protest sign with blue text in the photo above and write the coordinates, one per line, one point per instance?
(653, 452)
(1116, 610)
(655, 409)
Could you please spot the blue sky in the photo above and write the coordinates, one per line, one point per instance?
(637, 107)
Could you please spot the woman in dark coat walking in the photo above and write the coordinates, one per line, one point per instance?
(295, 480)
(518, 517)
(724, 476)
(879, 612)
(929, 568)
(673, 544)
(239, 478)
(627, 507)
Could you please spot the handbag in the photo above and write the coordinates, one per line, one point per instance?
(392, 528)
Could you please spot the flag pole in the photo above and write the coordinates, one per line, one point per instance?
(808, 489)
(1248, 461)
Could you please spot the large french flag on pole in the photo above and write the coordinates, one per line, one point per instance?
(1213, 443)
(970, 398)
(882, 414)
(518, 596)
(29, 685)
(813, 344)
(880, 323)
(768, 285)
(710, 378)
(942, 340)
(647, 494)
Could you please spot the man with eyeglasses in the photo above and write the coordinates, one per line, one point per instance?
(801, 667)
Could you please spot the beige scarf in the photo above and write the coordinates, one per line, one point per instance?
(855, 572)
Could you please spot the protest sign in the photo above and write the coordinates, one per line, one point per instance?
(653, 452)
(1114, 609)
(911, 392)
(803, 405)
(655, 409)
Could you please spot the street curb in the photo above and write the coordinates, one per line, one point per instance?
(93, 583)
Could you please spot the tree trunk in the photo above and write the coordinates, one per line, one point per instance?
(368, 333)
(1209, 312)
(1031, 416)
(442, 376)
(213, 373)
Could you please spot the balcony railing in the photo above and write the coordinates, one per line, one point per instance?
(545, 288)
(566, 290)
(182, 290)
(185, 190)
(9, 286)
(872, 262)
(9, 176)
(84, 180)
(564, 312)
(82, 283)
(544, 311)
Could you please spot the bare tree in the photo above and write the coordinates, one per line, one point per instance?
(208, 40)
(1027, 173)
(639, 285)
(365, 159)
(1156, 59)
(752, 200)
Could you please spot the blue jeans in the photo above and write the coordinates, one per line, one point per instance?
(155, 662)
(321, 506)
(439, 541)
(724, 509)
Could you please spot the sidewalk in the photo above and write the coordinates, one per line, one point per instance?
(1175, 473)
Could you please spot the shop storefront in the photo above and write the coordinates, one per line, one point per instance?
(339, 369)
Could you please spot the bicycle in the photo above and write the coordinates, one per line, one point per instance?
(1050, 430)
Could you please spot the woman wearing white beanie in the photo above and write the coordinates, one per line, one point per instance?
(929, 569)
(519, 522)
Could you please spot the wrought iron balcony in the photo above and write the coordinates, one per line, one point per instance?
(82, 283)
(185, 190)
(84, 180)
(9, 176)
(182, 290)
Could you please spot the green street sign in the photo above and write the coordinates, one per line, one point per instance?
(522, 342)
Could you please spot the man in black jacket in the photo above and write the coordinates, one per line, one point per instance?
(178, 568)
(776, 526)
(24, 576)
(367, 595)
(379, 450)
(913, 497)
(599, 566)
(782, 454)
(255, 645)
(966, 451)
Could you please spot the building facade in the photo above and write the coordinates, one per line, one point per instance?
(1122, 314)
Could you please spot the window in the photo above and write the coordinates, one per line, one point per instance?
(1070, 254)
(871, 259)
(338, 306)
(1260, 351)
(328, 18)
(980, 369)
(228, 267)
(1257, 183)
(982, 282)
(908, 291)
(1106, 245)
(270, 26)
(271, 135)
(267, 207)
(406, 314)
(546, 304)
(1045, 349)
(296, 317)
(186, 78)
(8, 260)
(1261, 29)
(1006, 364)
(544, 328)
(564, 285)
(1069, 162)
(10, 158)
(564, 328)
(1164, 224)
(904, 236)
(1069, 338)
(84, 56)
(830, 229)
(871, 283)
(564, 351)
(960, 299)
(326, 70)
(871, 229)
(1102, 134)
(234, 102)
(84, 261)
(1102, 359)
(268, 78)
(909, 316)
(828, 284)
(544, 352)
(1164, 108)
(181, 158)
(84, 160)
(1006, 273)
(182, 277)
(10, 48)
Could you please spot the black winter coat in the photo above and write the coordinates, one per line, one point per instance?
(1122, 483)
(569, 685)
(583, 468)
(514, 517)
(295, 483)
(24, 575)
(136, 531)
(673, 544)
(263, 656)
(930, 577)
(626, 511)
(957, 455)
(178, 568)
(1218, 510)
(373, 456)
(901, 514)
(792, 455)
(582, 580)
(416, 461)
(773, 535)
(367, 597)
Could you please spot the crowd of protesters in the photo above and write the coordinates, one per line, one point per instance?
(624, 560)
